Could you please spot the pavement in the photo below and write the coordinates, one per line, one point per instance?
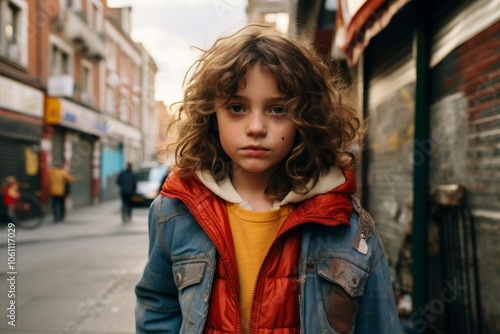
(94, 220)
(77, 276)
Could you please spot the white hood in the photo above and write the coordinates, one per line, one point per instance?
(225, 190)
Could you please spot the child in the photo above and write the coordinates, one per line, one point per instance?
(255, 230)
(11, 195)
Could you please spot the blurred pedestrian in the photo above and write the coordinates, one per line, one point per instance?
(59, 180)
(256, 229)
(127, 181)
(11, 194)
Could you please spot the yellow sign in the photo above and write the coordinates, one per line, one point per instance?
(53, 111)
(31, 161)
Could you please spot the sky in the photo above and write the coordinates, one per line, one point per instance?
(169, 28)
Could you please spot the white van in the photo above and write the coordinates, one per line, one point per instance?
(150, 177)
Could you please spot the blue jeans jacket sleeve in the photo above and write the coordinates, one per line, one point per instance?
(377, 309)
(157, 308)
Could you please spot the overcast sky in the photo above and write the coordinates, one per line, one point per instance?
(168, 28)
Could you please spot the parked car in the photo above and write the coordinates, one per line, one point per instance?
(149, 179)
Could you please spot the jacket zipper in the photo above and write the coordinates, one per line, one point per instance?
(295, 223)
(264, 262)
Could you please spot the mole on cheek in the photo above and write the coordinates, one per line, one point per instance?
(282, 138)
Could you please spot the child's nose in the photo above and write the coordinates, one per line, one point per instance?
(257, 125)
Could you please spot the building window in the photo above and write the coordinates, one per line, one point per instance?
(124, 107)
(59, 61)
(94, 14)
(74, 4)
(87, 86)
(85, 79)
(111, 55)
(137, 77)
(97, 17)
(63, 5)
(14, 30)
(124, 68)
(11, 40)
(12, 23)
(110, 99)
(136, 112)
(280, 20)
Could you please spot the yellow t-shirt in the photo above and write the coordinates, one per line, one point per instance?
(253, 232)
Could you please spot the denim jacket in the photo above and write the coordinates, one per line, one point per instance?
(343, 275)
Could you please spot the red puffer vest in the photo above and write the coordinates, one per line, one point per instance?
(275, 307)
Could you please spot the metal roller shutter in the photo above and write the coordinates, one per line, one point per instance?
(15, 162)
(12, 159)
(81, 168)
(58, 145)
(390, 112)
(465, 123)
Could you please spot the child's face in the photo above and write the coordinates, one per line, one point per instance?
(254, 128)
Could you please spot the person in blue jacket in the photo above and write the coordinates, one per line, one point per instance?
(127, 181)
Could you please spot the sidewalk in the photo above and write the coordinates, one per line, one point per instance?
(94, 220)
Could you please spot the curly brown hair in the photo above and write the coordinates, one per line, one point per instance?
(326, 126)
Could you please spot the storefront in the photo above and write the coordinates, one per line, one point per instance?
(95, 145)
(74, 136)
(21, 112)
(120, 144)
(429, 74)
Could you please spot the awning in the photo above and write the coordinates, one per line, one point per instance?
(358, 21)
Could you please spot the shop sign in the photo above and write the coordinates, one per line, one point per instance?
(119, 129)
(60, 85)
(72, 115)
(19, 97)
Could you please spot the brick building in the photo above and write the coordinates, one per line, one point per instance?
(71, 90)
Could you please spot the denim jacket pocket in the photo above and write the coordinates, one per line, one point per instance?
(344, 284)
(187, 273)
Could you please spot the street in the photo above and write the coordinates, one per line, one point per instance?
(79, 281)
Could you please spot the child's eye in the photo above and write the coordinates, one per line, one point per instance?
(236, 108)
(277, 110)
